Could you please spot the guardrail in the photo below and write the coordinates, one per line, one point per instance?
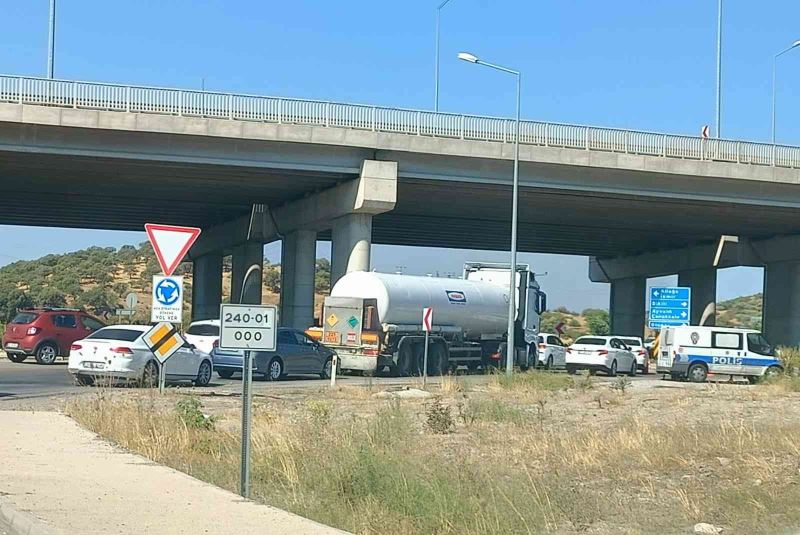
(138, 99)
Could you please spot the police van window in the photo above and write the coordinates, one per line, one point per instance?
(758, 344)
(726, 340)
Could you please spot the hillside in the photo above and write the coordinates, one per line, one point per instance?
(740, 312)
(98, 279)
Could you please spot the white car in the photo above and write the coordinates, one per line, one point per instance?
(118, 354)
(639, 350)
(600, 353)
(203, 334)
(552, 351)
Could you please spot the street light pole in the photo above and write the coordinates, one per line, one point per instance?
(436, 67)
(512, 309)
(774, 75)
(719, 70)
(52, 41)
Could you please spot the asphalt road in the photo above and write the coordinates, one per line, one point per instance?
(30, 380)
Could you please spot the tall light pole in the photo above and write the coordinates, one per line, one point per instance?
(774, 70)
(719, 70)
(52, 41)
(510, 349)
(436, 67)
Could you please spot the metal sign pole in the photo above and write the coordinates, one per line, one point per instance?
(162, 378)
(334, 365)
(247, 422)
(425, 362)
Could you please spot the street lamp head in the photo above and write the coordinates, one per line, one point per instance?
(796, 43)
(466, 56)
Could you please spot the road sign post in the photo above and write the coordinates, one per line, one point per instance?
(170, 243)
(247, 328)
(167, 304)
(427, 322)
(670, 306)
(163, 340)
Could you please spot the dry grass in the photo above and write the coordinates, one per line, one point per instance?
(522, 457)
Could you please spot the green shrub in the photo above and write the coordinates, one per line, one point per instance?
(190, 413)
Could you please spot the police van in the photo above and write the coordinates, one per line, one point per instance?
(694, 353)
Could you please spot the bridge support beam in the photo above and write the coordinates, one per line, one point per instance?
(206, 286)
(298, 269)
(781, 314)
(351, 243)
(627, 306)
(703, 283)
(346, 209)
(245, 257)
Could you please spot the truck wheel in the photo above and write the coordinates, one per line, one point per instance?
(472, 367)
(405, 360)
(571, 370)
(438, 363)
(225, 374)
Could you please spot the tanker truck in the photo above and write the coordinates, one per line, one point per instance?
(374, 320)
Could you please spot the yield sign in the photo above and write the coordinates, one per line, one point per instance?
(171, 244)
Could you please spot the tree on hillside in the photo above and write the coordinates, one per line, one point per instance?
(322, 278)
(597, 320)
(11, 301)
(272, 277)
(51, 297)
(98, 299)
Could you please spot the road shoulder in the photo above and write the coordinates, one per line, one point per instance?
(66, 476)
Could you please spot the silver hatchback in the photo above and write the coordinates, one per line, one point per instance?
(296, 354)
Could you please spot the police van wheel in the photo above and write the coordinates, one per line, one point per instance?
(697, 373)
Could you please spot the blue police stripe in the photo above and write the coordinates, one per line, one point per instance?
(739, 361)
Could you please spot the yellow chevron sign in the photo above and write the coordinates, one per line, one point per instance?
(163, 340)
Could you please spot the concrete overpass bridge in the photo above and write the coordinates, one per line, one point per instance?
(91, 155)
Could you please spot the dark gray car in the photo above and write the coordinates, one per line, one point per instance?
(296, 354)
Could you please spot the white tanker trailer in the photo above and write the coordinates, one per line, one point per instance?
(374, 320)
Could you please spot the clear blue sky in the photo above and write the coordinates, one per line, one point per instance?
(624, 63)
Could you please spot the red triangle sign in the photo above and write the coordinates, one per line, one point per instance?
(171, 244)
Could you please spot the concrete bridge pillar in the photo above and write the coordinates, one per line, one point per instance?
(703, 283)
(298, 269)
(627, 307)
(245, 256)
(781, 315)
(206, 286)
(351, 240)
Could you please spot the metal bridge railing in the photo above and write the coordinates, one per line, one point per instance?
(137, 99)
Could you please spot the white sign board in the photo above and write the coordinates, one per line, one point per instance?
(427, 319)
(167, 302)
(248, 327)
(171, 243)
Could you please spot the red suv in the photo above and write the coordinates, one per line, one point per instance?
(46, 333)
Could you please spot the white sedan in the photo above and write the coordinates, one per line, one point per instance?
(118, 354)
(600, 353)
(203, 334)
(552, 351)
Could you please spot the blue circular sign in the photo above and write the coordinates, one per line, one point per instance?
(167, 292)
